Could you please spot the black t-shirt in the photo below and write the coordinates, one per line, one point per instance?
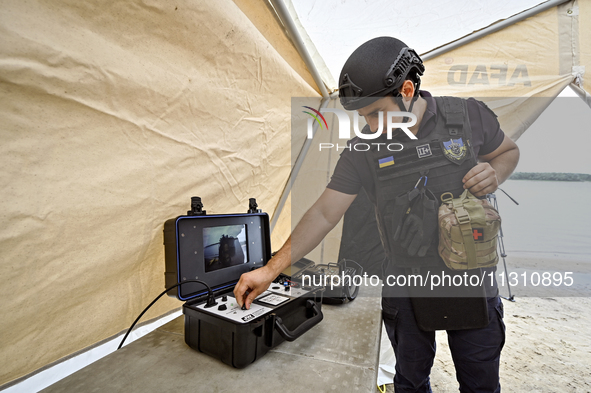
(353, 172)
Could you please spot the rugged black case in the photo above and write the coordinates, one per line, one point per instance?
(236, 344)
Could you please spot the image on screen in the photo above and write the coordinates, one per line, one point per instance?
(224, 246)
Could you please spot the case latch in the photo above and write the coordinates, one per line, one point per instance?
(252, 206)
(196, 207)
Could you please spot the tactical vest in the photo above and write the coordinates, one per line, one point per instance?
(439, 161)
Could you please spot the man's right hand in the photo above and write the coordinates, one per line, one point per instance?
(252, 284)
(314, 225)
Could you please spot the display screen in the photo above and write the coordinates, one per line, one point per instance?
(224, 246)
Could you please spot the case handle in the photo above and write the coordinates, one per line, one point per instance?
(290, 335)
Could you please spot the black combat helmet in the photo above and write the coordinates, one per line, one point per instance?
(376, 69)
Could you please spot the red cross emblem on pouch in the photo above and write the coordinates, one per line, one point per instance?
(477, 233)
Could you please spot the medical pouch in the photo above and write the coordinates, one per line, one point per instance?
(468, 230)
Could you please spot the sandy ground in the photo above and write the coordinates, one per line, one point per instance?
(547, 348)
(548, 343)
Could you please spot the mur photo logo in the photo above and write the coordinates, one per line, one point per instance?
(344, 127)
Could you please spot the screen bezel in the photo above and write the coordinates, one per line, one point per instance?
(190, 252)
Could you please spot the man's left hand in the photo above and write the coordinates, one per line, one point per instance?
(481, 180)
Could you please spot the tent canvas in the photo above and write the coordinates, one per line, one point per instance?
(114, 114)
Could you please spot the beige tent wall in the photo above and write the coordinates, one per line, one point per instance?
(584, 19)
(315, 174)
(266, 21)
(113, 114)
(581, 28)
(517, 71)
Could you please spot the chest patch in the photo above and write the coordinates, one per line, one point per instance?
(387, 161)
(424, 151)
(454, 150)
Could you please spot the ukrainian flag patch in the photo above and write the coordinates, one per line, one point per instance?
(384, 162)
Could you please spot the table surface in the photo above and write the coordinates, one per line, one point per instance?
(339, 354)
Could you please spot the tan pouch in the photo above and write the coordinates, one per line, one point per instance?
(468, 230)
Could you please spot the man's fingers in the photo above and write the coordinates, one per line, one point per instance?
(251, 285)
(481, 180)
(479, 187)
(240, 291)
(479, 171)
(250, 298)
(475, 176)
(482, 188)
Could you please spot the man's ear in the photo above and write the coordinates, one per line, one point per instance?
(408, 89)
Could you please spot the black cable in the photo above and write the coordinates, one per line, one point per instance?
(210, 300)
(514, 201)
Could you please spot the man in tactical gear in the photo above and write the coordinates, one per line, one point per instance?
(459, 145)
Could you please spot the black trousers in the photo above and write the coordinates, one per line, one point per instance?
(476, 352)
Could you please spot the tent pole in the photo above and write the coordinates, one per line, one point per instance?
(296, 167)
(285, 17)
(492, 28)
(581, 93)
(291, 28)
